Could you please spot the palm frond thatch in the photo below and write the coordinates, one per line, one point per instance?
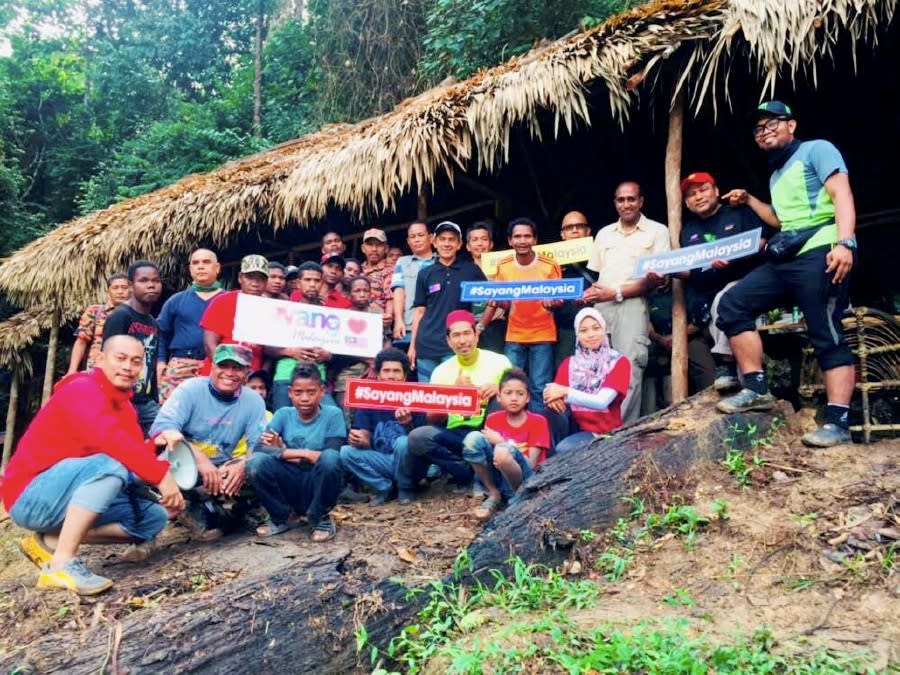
(367, 166)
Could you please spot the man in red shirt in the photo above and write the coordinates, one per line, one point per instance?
(67, 480)
(332, 275)
(218, 319)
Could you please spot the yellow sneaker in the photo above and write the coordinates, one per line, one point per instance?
(74, 576)
(35, 549)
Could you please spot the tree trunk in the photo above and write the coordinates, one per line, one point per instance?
(303, 618)
(673, 201)
(50, 368)
(10, 437)
(257, 68)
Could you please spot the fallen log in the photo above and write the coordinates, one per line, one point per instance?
(304, 617)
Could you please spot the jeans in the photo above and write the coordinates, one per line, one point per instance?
(306, 489)
(479, 450)
(574, 441)
(146, 412)
(280, 398)
(537, 360)
(375, 469)
(425, 367)
(433, 445)
(42, 506)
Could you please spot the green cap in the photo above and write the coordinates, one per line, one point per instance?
(254, 263)
(237, 353)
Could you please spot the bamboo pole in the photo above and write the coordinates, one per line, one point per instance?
(422, 205)
(11, 417)
(673, 202)
(50, 369)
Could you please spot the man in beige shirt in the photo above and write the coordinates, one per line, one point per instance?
(619, 297)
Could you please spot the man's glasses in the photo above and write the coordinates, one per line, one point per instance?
(574, 226)
(770, 125)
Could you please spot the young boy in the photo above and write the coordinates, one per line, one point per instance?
(378, 437)
(513, 442)
(297, 467)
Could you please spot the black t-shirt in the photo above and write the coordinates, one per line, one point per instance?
(437, 290)
(726, 222)
(126, 321)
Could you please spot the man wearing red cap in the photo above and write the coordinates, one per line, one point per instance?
(441, 442)
(714, 220)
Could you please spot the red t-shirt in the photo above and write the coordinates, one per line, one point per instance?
(599, 421)
(533, 433)
(334, 299)
(219, 318)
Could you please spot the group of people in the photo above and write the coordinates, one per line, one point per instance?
(268, 426)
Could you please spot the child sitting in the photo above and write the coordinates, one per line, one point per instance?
(512, 443)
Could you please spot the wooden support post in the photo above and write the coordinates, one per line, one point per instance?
(422, 206)
(11, 417)
(673, 201)
(51, 360)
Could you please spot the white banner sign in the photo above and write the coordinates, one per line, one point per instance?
(700, 255)
(280, 323)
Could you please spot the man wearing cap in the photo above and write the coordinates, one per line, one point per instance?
(213, 414)
(291, 274)
(712, 220)
(441, 442)
(438, 289)
(403, 282)
(375, 266)
(181, 352)
(808, 261)
(331, 293)
(574, 225)
(620, 297)
(218, 319)
(67, 480)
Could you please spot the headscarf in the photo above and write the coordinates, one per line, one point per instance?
(588, 368)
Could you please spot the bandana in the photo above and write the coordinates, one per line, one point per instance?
(197, 288)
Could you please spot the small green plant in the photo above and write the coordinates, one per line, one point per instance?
(889, 559)
(720, 510)
(797, 583)
(804, 519)
(737, 562)
(587, 536)
(680, 597)
(614, 563)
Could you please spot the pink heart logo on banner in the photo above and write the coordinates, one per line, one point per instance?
(358, 326)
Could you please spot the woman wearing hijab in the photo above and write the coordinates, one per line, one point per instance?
(587, 393)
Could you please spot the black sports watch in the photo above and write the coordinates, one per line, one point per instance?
(847, 243)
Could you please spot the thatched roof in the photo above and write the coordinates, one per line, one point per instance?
(367, 166)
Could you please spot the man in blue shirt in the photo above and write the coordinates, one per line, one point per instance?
(378, 438)
(181, 352)
(296, 469)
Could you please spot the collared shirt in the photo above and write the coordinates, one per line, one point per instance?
(405, 272)
(90, 329)
(380, 276)
(616, 251)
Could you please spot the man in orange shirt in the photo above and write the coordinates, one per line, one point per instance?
(530, 329)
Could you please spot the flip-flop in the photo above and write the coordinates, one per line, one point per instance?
(326, 525)
(488, 508)
(272, 529)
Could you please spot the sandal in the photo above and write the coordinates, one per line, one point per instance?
(272, 529)
(324, 531)
(488, 508)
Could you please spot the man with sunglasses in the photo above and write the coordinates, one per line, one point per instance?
(808, 263)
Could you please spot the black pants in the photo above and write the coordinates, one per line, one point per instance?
(800, 282)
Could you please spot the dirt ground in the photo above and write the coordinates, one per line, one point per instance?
(805, 550)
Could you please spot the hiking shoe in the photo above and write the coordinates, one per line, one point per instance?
(434, 472)
(405, 497)
(381, 498)
(140, 552)
(74, 576)
(35, 549)
(726, 377)
(746, 400)
(194, 518)
(826, 436)
(350, 496)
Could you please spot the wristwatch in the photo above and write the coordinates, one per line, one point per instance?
(619, 296)
(479, 327)
(847, 243)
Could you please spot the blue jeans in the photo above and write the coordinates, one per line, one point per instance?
(309, 490)
(42, 506)
(433, 445)
(280, 398)
(479, 450)
(536, 360)
(146, 412)
(575, 440)
(425, 367)
(375, 469)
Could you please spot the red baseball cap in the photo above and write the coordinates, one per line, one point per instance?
(458, 315)
(698, 178)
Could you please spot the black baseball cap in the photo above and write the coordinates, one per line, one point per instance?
(771, 109)
(334, 259)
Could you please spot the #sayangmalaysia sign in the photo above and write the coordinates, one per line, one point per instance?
(417, 396)
(563, 252)
(699, 256)
(280, 323)
(504, 291)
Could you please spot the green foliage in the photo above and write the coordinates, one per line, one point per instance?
(743, 440)
(465, 35)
